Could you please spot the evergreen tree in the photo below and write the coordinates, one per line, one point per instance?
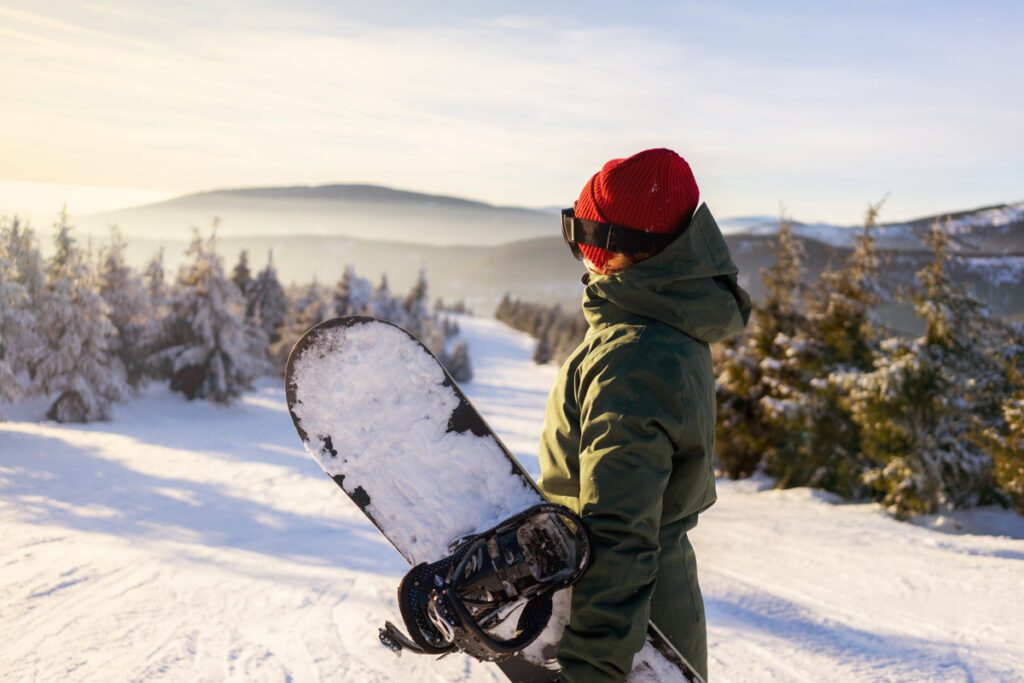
(267, 302)
(458, 364)
(926, 399)
(542, 352)
(312, 308)
(759, 387)
(17, 323)
(820, 444)
(207, 347)
(1004, 441)
(78, 365)
(242, 277)
(130, 308)
(343, 293)
(415, 307)
(383, 305)
(153, 278)
(22, 249)
(19, 250)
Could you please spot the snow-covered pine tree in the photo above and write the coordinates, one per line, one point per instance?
(343, 293)
(242, 277)
(24, 264)
(207, 348)
(837, 341)
(22, 249)
(78, 366)
(17, 323)
(130, 308)
(758, 385)
(542, 352)
(383, 304)
(267, 301)
(313, 307)
(927, 397)
(416, 307)
(310, 309)
(458, 363)
(1004, 441)
(154, 280)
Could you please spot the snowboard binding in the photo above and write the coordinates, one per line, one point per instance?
(460, 602)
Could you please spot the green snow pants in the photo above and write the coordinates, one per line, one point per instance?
(677, 606)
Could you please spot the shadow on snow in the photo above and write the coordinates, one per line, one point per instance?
(75, 487)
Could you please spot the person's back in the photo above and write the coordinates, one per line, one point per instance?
(628, 437)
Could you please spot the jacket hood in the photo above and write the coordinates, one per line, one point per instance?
(690, 285)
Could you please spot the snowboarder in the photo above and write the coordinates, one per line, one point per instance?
(629, 430)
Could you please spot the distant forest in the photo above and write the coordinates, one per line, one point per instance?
(84, 330)
(557, 332)
(816, 392)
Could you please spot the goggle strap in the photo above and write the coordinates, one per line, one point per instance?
(612, 237)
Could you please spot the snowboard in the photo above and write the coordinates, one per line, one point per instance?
(385, 421)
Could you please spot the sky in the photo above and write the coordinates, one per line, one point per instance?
(820, 107)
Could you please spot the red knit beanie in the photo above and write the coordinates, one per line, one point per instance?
(654, 190)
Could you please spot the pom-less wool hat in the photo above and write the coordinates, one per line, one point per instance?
(653, 190)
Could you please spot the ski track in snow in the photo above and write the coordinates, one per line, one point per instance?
(186, 542)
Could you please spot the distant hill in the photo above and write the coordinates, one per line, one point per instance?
(316, 231)
(542, 270)
(362, 211)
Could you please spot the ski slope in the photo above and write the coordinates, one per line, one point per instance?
(187, 542)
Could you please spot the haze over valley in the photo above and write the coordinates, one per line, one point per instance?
(477, 252)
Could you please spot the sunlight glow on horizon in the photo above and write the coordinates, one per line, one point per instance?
(133, 98)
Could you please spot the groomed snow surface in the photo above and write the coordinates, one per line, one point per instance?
(188, 542)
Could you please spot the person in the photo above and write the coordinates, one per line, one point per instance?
(629, 427)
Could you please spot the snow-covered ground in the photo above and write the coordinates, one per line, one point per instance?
(188, 542)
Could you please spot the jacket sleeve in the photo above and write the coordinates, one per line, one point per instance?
(626, 410)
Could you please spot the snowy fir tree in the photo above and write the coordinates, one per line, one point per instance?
(416, 307)
(242, 276)
(78, 366)
(383, 304)
(207, 348)
(18, 340)
(310, 309)
(267, 302)
(20, 245)
(130, 308)
(819, 442)
(154, 280)
(23, 265)
(457, 363)
(759, 384)
(927, 397)
(343, 293)
(1004, 442)
(313, 307)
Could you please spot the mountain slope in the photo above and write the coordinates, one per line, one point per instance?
(184, 541)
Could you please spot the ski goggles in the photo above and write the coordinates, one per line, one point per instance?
(610, 237)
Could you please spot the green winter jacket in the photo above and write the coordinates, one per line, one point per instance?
(629, 435)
